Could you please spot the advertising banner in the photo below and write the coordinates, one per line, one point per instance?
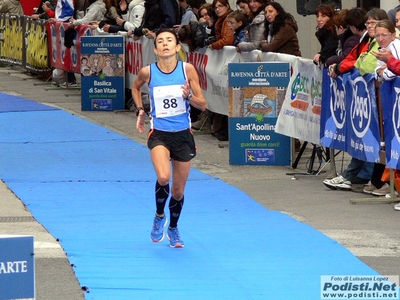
(256, 93)
(17, 269)
(103, 73)
(390, 94)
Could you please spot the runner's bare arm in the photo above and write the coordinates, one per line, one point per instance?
(197, 99)
(143, 77)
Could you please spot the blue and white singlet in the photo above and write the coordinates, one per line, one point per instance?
(168, 110)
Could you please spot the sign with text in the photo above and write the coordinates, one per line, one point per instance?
(103, 73)
(17, 269)
(256, 93)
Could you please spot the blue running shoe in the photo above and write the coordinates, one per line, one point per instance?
(157, 233)
(175, 238)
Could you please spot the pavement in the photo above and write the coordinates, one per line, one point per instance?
(371, 231)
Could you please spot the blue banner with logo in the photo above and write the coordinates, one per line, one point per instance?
(349, 117)
(256, 93)
(390, 95)
(363, 138)
(333, 112)
(17, 269)
(103, 73)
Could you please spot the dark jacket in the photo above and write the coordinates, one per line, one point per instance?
(329, 43)
(347, 41)
(285, 40)
(152, 19)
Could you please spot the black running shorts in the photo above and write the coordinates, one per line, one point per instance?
(180, 144)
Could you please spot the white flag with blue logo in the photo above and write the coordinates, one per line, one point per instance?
(64, 10)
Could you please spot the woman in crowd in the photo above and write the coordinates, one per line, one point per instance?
(223, 37)
(280, 31)
(244, 7)
(256, 28)
(223, 33)
(385, 34)
(207, 22)
(325, 34)
(347, 38)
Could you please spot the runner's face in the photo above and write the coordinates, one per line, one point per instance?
(166, 44)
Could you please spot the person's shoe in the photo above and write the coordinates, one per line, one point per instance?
(70, 85)
(203, 122)
(385, 189)
(369, 188)
(344, 186)
(397, 206)
(332, 183)
(157, 233)
(175, 238)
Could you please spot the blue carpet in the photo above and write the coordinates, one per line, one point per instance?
(13, 103)
(93, 190)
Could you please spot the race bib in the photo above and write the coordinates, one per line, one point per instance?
(168, 101)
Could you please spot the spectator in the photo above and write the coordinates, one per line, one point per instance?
(191, 35)
(325, 34)
(80, 8)
(196, 4)
(95, 12)
(348, 38)
(385, 34)
(132, 12)
(392, 14)
(46, 10)
(223, 33)
(245, 8)
(11, 7)
(206, 22)
(224, 37)
(169, 17)
(237, 20)
(256, 28)
(64, 13)
(152, 20)
(280, 31)
(188, 14)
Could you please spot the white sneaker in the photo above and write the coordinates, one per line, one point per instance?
(334, 182)
(397, 206)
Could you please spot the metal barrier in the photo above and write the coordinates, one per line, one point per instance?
(23, 42)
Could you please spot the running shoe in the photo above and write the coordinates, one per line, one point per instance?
(332, 183)
(157, 233)
(174, 238)
(397, 206)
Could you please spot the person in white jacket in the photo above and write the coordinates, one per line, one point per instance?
(95, 12)
(385, 34)
(132, 12)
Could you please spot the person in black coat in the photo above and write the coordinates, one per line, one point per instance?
(326, 33)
